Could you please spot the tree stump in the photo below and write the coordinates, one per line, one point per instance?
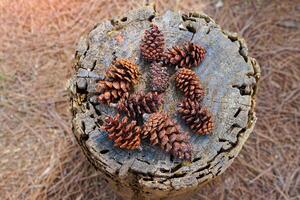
(227, 73)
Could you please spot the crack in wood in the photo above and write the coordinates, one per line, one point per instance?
(172, 170)
(244, 89)
(144, 161)
(150, 19)
(87, 49)
(237, 112)
(161, 182)
(104, 151)
(207, 166)
(196, 159)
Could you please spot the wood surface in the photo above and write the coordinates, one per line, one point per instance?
(227, 73)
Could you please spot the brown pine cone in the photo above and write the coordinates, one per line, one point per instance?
(163, 131)
(138, 104)
(123, 70)
(119, 80)
(159, 77)
(188, 55)
(152, 45)
(111, 91)
(125, 133)
(196, 117)
(188, 82)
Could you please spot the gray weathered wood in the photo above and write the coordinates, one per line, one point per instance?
(229, 75)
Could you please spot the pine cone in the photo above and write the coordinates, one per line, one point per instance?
(125, 133)
(195, 116)
(152, 46)
(166, 133)
(188, 55)
(111, 91)
(159, 77)
(188, 82)
(123, 70)
(138, 104)
(119, 79)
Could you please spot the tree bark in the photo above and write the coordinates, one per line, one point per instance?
(227, 73)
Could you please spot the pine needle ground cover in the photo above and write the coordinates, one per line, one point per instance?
(42, 161)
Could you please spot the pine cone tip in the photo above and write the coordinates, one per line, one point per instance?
(152, 45)
(196, 117)
(163, 131)
(188, 82)
(187, 55)
(123, 132)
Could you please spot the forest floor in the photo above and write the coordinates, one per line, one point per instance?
(40, 158)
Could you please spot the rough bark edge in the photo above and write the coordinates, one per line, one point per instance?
(242, 136)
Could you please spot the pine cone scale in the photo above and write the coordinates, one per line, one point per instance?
(163, 131)
(188, 55)
(119, 80)
(196, 117)
(152, 45)
(124, 133)
(138, 104)
(188, 82)
(159, 77)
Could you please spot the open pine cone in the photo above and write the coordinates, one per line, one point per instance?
(159, 77)
(111, 91)
(188, 55)
(152, 46)
(119, 80)
(163, 131)
(125, 133)
(123, 69)
(188, 82)
(195, 116)
(138, 104)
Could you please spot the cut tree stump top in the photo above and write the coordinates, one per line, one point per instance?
(227, 73)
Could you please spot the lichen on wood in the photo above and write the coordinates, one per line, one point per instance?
(228, 75)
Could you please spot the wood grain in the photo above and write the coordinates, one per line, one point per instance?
(228, 75)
